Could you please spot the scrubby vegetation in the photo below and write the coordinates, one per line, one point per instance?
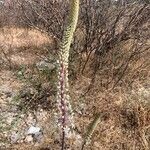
(109, 82)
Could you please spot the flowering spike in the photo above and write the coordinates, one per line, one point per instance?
(63, 98)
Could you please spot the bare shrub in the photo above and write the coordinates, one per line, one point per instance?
(110, 37)
(107, 30)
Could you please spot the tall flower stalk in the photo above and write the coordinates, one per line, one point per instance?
(63, 97)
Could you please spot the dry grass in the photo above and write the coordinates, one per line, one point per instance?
(23, 46)
(20, 37)
(125, 122)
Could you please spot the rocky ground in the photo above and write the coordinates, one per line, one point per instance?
(21, 119)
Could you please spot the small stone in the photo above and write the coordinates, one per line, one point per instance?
(14, 137)
(43, 65)
(21, 141)
(33, 130)
(29, 139)
(9, 120)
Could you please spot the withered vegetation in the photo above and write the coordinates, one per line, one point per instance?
(109, 68)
